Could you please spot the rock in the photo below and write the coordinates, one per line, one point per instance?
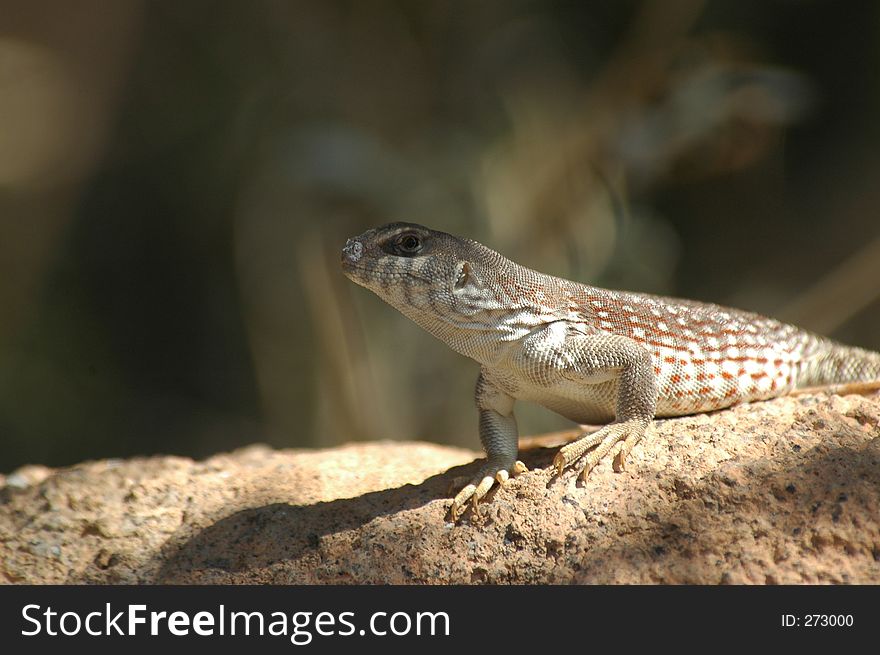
(784, 491)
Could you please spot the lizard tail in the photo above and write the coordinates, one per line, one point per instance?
(841, 364)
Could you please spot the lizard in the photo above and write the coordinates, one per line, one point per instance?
(592, 355)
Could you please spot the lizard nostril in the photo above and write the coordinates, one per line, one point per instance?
(353, 250)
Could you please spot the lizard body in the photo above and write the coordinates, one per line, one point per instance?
(590, 354)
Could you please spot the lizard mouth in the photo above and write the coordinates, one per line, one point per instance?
(359, 274)
(366, 275)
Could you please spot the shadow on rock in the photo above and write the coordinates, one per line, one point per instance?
(259, 537)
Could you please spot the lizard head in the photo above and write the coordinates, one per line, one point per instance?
(423, 273)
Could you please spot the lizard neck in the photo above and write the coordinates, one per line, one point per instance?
(500, 304)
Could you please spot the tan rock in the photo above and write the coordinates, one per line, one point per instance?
(786, 491)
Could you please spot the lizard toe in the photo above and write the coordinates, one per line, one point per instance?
(459, 503)
(476, 490)
(624, 435)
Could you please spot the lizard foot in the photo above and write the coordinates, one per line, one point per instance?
(481, 484)
(626, 433)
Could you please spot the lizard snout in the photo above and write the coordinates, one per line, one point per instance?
(352, 251)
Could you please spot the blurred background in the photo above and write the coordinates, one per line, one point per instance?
(177, 180)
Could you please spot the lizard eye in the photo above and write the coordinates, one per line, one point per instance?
(408, 244)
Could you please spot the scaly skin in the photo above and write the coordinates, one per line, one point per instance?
(589, 354)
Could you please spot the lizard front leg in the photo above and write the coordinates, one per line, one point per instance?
(609, 358)
(500, 439)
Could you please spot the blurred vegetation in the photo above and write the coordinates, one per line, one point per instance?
(177, 179)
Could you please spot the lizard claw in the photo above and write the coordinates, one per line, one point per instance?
(460, 500)
(559, 463)
(474, 492)
(618, 461)
(624, 435)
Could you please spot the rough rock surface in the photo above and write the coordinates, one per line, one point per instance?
(786, 491)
